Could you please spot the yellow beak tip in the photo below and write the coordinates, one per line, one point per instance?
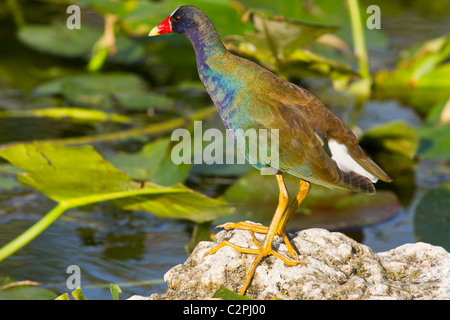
(154, 32)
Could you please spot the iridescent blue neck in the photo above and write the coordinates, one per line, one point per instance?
(213, 64)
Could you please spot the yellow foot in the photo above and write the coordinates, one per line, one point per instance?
(261, 252)
(259, 229)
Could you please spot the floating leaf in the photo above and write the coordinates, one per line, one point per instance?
(434, 142)
(421, 78)
(115, 290)
(78, 115)
(104, 91)
(393, 146)
(432, 217)
(77, 176)
(201, 232)
(7, 180)
(27, 293)
(57, 39)
(77, 294)
(153, 163)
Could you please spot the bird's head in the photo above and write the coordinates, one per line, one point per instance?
(182, 20)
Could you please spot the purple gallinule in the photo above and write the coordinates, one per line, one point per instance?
(314, 145)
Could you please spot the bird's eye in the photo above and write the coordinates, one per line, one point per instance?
(177, 18)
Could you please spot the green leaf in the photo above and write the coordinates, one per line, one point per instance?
(77, 115)
(119, 8)
(277, 43)
(153, 163)
(26, 292)
(78, 294)
(432, 217)
(281, 35)
(304, 63)
(394, 146)
(104, 91)
(57, 39)
(434, 142)
(99, 56)
(201, 232)
(115, 290)
(64, 296)
(421, 77)
(437, 113)
(7, 179)
(76, 176)
(395, 137)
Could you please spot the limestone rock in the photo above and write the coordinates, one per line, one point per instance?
(338, 267)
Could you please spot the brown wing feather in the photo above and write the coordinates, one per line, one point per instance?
(306, 158)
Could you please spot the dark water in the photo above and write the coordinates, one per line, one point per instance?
(109, 245)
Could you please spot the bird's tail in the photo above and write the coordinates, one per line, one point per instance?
(355, 182)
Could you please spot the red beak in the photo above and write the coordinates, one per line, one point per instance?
(163, 27)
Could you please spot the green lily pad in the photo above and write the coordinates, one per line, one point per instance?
(432, 217)
(77, 294)
(226, 294)
(281, 35)
(104, 91)
(27, 292)
(276, 44)
(76, 176)
(421, 77)
(153, 163)
(7, 179)
(436, 114)
(394, 137)
(57, 39)
(115, 291)
(77, 115)
(118, 8)
(256, 196)
(393, 146)
(304, 63)
(149, 13)
(434, 142)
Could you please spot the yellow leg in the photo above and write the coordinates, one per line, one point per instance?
(277, 226)
(303, 191)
